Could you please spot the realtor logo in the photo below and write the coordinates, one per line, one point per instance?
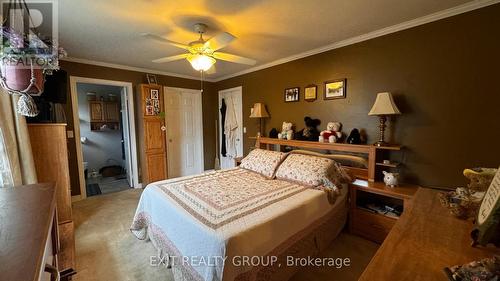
(29, 32)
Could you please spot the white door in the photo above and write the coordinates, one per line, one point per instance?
(231, 95)
(126, 135)
(184, 132)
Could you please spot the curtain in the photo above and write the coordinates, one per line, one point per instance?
(16, 159)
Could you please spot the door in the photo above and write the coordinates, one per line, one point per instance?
(155, 165)
(231, 96)
(184, 132)
(112, 112)
(96, 111)
(126, 135)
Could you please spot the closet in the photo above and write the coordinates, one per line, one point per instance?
(152, 128)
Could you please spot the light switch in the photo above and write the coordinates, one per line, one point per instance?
(70, 134)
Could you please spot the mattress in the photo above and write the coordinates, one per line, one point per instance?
(221, 216)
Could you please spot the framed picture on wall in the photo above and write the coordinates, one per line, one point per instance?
(292, 94)
(335, 89)
(151, 79)
(154, 94)
(310, 93)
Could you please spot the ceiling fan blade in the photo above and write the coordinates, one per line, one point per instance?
(211, 70)
(171, 58)
(219, 41)
(164, 40)
(233, 58)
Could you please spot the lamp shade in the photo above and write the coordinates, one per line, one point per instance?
(200, 62)
(259, 111)
(384, 105)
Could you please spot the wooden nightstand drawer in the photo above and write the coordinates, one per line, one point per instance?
(371, 226)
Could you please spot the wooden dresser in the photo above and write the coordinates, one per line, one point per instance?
(29, 244)
(424, 241)
(50, 153)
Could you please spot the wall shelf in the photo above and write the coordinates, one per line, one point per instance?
(391, 165)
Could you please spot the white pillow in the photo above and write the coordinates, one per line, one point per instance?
(263, 161)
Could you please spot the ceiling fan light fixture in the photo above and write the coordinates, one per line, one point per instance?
(200, 62)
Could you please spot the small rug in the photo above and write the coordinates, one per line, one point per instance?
(93, 189)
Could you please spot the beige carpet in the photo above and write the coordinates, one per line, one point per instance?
(107, 251)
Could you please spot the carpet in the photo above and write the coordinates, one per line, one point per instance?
(106, 250)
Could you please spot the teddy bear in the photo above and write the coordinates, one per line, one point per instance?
(286, 131)
(390, 179)
(310, 132)
(332, 132)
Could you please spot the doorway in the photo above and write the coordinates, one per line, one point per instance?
(105, 135)
(230, 97)
(184, 123)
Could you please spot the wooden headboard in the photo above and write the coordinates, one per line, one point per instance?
(370, 151)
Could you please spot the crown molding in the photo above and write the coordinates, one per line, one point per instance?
(133, 68)
(467, 7)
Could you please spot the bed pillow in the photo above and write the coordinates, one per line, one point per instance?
(313, 171)
(355, 161)
(263, 161)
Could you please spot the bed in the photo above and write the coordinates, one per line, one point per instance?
(245, 223)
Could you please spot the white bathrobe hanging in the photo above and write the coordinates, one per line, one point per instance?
(230, 126)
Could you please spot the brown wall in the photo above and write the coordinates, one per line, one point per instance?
(91, 71)
(444, 76)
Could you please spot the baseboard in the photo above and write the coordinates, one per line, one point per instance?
(76, 198)
(139, 185)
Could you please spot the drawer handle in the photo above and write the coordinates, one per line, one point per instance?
(54, 273)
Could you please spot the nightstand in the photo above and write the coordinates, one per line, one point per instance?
(375, 207)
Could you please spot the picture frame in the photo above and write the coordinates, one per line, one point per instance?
(150, 110)
(155, 94)
(311, 93)
(292, 94)
(335, 89)
(151, 79)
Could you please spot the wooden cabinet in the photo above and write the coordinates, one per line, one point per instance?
(112, 112)
(50, 154)
(370, 224)
(104, 114)
(96, 111)
(152, 127)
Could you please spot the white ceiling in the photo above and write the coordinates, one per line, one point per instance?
(108, 31)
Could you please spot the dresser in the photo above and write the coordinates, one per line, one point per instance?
(29, 245)
(425, 240)
(50, 153)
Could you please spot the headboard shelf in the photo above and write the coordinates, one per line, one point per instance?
(371, 151)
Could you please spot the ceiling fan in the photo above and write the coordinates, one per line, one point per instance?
(202, 54)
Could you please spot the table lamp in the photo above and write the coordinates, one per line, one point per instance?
(384, 105)
(259, 111)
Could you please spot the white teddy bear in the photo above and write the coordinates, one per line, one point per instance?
(286, 131)
(332, 132)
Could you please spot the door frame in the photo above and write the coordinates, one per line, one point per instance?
(73, 80)
(199, 97)
(221, 126)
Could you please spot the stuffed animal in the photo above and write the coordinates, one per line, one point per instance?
(310, 132)
(390, 179)
(332, 133)
(286, 131)
(354, 137)
(273, 133)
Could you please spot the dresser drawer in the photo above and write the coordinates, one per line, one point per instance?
(374, 227)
